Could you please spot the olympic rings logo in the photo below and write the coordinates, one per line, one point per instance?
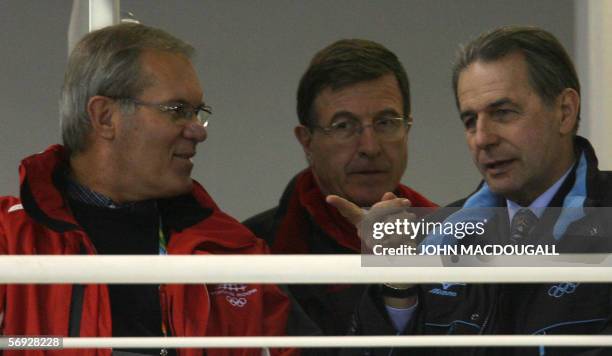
(232, 287)
(561, 289)
(235, 301)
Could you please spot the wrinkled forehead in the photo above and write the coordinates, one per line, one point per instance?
(488, 81)
(365, 99)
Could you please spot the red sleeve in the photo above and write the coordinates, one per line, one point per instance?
(276, 306)
(276, 312)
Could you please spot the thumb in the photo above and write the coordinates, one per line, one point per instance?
(349, 210)
(388, 196)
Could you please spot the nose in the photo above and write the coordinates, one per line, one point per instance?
(369, 144)
(485, 134)
(194, 131)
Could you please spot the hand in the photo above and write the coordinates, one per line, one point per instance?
(389, 209)
(389, 206)
(355, 214)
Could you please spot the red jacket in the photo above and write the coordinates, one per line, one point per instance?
(41, 223)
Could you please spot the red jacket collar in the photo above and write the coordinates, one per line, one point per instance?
(306, 199)
(41, 178)
(39, 191)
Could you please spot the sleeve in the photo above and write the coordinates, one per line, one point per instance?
(276, 313)
(283, 315)
(607, 330)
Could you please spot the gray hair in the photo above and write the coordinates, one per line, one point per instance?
(107, 62)
(550, 69)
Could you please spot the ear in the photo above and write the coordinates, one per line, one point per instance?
(570, 105)
(101, 110)
(304, 136)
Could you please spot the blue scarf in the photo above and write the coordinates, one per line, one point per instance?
(477, 209)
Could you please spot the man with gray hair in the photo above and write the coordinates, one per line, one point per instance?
(132, 115)
(518, 97)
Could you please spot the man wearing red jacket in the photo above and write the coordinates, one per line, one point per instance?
(132, 114)
(353, 105)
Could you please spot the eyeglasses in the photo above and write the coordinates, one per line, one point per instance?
(178, 111)
(348, 129)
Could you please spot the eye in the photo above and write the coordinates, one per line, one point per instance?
(343, 125)
(387, 123)
(503, 113)
(469, 122)
(179, 111)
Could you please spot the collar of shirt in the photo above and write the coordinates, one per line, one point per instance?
(541, 202)
(400, 317)
(85, 195)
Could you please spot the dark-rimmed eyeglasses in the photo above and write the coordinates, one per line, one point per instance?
(348, 129)
(178, 111)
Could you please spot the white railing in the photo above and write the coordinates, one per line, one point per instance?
(314, 269)
(337, 341)
(45, 269)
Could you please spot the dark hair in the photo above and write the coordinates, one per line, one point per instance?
(549, 67)
(344, 63)
(107, 62)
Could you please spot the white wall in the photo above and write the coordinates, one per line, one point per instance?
(251, 56)
(593, 40)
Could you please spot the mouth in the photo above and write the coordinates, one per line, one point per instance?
(368, 172)
(186, 155)
(185, 159)
(498, 166)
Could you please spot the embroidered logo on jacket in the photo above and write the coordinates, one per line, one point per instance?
(235, 294)
(561, 289)
(445, 289)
